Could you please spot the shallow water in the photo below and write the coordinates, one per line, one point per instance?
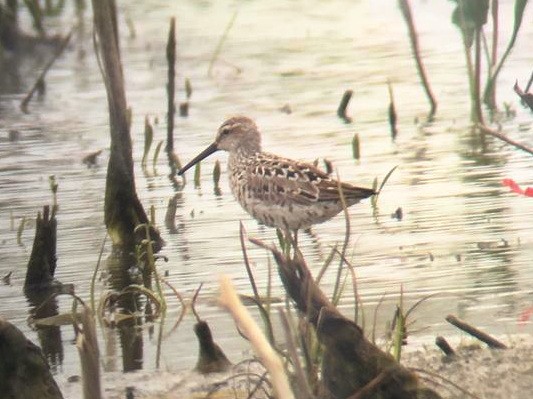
(464, 238)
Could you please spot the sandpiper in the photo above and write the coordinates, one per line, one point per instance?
(276, 191)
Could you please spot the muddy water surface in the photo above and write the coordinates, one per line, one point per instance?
(463, 236)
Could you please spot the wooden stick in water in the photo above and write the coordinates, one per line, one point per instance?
(482, 336)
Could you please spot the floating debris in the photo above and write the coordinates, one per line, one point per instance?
(91, 159)
(398, 214)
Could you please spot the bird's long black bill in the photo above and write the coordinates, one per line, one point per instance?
(204, 154)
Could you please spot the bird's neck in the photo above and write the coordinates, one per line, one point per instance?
(246, 151)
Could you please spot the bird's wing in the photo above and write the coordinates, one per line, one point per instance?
(272, 178)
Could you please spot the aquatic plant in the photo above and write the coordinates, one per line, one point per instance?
(470, 16)
(148, 138)
(123, 209)
(171, 76)
(343, 105)
(413, 36)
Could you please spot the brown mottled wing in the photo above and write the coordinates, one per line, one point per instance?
(275, 179)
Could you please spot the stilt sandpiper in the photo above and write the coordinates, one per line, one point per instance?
(276, 191)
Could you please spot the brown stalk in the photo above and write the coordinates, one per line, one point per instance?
(406, 12)
(475, 332)
(171, 106)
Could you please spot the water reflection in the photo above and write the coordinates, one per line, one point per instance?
(122, 268)
(43, 303)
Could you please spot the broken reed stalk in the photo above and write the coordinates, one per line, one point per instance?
(356, 147)
(211, 358)
(197, 174)
(122, 208)
(148, 139)
(171, 106)
(341, 111)
(43, 259)
(392, 112)
(40, 80)
(444, 346)
(406, 12)
(184, 106)
(260, 345)
(20, 230)
(216, 173)
(475, 332)
(170, 215)
(349, 360)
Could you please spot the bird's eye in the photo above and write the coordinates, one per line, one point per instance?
(225, 131)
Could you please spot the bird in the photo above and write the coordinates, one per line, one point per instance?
(278, 192)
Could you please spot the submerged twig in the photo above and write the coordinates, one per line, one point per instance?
(40, 80)
(221, 43)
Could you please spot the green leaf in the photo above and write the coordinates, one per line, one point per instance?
(470, 15)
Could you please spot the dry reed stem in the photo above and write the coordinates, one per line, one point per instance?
(406, 12)
(171, 106)
(87, 345)
(269, 358)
